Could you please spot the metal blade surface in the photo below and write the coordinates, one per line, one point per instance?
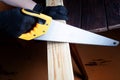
(61, 32)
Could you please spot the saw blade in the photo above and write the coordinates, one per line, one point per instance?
(60, 32)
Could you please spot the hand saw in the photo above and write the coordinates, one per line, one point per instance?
(48, 29)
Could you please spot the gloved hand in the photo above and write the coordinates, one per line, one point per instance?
(13, 22)
(56, 12)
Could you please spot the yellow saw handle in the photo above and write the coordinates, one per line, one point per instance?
(39, 29)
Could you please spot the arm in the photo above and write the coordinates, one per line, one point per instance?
(28, 4)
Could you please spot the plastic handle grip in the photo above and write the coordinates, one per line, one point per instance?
(39, 29)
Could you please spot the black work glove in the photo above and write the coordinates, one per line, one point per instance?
(56, 12)
(13, 22)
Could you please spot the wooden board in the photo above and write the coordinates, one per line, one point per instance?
(59, 58)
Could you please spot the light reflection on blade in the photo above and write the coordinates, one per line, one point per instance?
(61, 32)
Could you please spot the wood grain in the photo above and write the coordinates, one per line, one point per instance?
(59, 58)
